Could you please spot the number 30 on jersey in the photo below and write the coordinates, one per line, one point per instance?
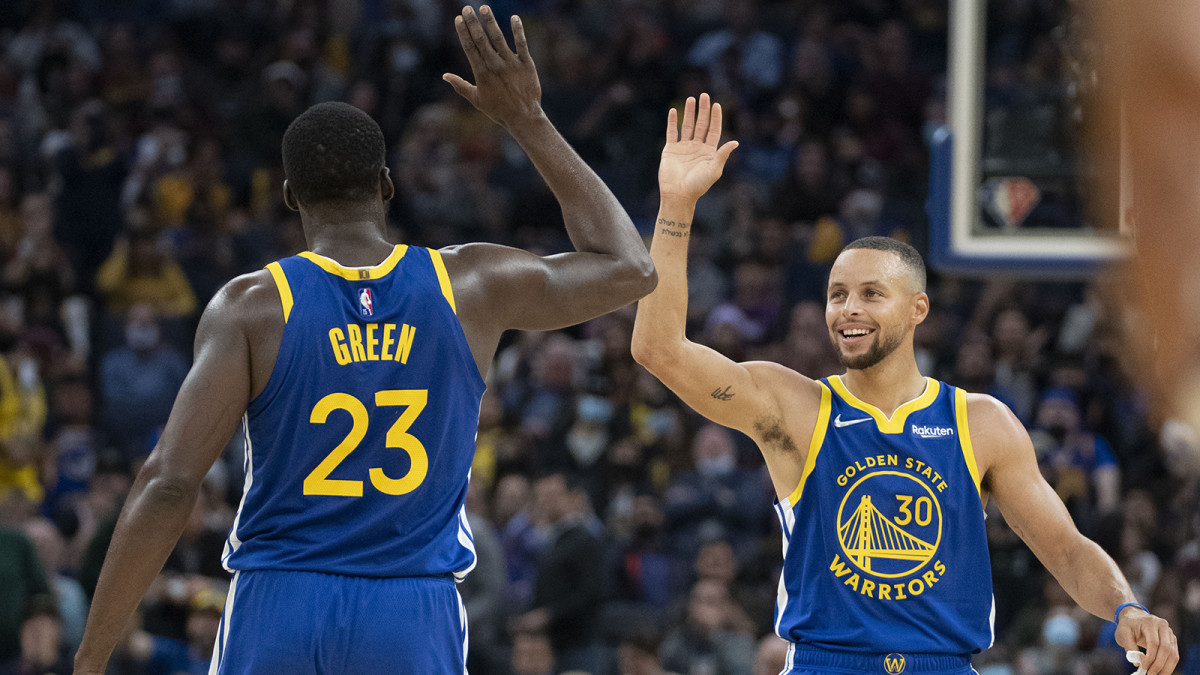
(319, 483)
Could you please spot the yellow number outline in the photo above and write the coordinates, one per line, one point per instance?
(318, 481)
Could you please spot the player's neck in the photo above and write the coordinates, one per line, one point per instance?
(352, 235)
(889, 384)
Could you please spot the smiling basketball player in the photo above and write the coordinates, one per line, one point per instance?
(882, 474)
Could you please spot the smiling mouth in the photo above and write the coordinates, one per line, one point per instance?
(852, 333)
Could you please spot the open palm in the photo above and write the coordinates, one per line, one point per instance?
(692, 160)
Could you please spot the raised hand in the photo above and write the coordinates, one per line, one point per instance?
(506, 85)
(691, 160)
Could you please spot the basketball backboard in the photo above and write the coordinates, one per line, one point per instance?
(1006, 181)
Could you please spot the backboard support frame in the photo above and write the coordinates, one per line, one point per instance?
(957, 241)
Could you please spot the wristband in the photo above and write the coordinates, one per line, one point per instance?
(1123, 605)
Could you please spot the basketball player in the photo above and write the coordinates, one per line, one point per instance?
(881, 473)
(358, 368)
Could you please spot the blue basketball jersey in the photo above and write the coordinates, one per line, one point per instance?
(883, 539)
(358, 450)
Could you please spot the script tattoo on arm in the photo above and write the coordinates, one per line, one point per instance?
(672, 228)
(722, 394)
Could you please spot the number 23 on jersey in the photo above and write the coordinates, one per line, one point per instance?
(318, 481)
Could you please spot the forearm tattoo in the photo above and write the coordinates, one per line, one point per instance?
(673, 228)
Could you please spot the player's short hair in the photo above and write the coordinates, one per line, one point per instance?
(908, 255)
(333, 152)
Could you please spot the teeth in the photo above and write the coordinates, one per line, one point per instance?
(855, 332)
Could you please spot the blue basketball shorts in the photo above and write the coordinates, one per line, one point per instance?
(808, 660)
(308, 623)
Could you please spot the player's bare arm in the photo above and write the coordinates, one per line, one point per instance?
(1009, 471)
(500, 287)
(206, 413)
(772, 404)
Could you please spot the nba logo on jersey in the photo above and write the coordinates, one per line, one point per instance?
(893, 663)
(366, 302)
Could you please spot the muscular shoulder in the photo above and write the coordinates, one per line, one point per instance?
(996, 433)
(790, 388)
(246, 300)
(797, 403)
(247, 307)
(473, 258)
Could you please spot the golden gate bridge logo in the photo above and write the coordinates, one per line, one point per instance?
(889, 546)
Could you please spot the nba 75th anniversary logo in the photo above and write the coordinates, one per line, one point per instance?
(889, 527)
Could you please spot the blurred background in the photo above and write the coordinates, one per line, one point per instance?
(140, 170)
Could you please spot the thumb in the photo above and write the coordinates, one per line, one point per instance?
(465, 89)
(1125, 637)
(724, 151)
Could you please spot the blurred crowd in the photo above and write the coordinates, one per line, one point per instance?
(617, 532)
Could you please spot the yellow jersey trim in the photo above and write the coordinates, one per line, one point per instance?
(443, 278)
(358, 273)
(814, 444)
(895, 423)
(964, 434)
(285, 290)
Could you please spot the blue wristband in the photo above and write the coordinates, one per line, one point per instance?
(1123, 605)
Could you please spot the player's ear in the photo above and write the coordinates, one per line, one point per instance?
(289, 197)
(920, 308)
(387, 189)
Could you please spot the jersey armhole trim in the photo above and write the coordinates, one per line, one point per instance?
(285, 290)
(964, 434)
(443, 278)
(814, 444)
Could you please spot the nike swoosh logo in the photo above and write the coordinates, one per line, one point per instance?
(837, 421)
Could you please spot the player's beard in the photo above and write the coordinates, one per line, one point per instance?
(882, 346)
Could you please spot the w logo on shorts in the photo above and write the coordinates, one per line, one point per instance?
(366, 302)
(893, 663)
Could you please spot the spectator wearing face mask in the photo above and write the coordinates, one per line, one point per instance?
(715, 499)
(139, 380)
(1078, 463)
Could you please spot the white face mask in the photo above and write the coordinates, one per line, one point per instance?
(722, 465)
(587, 446)
(141, 337)
(1060, 631)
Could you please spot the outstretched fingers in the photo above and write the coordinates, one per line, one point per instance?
(688, 127)
(495, 35)
(519, 40)
(468, 44)
(672, 126)
(483, 45)
(703, 111)
(714, 126)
